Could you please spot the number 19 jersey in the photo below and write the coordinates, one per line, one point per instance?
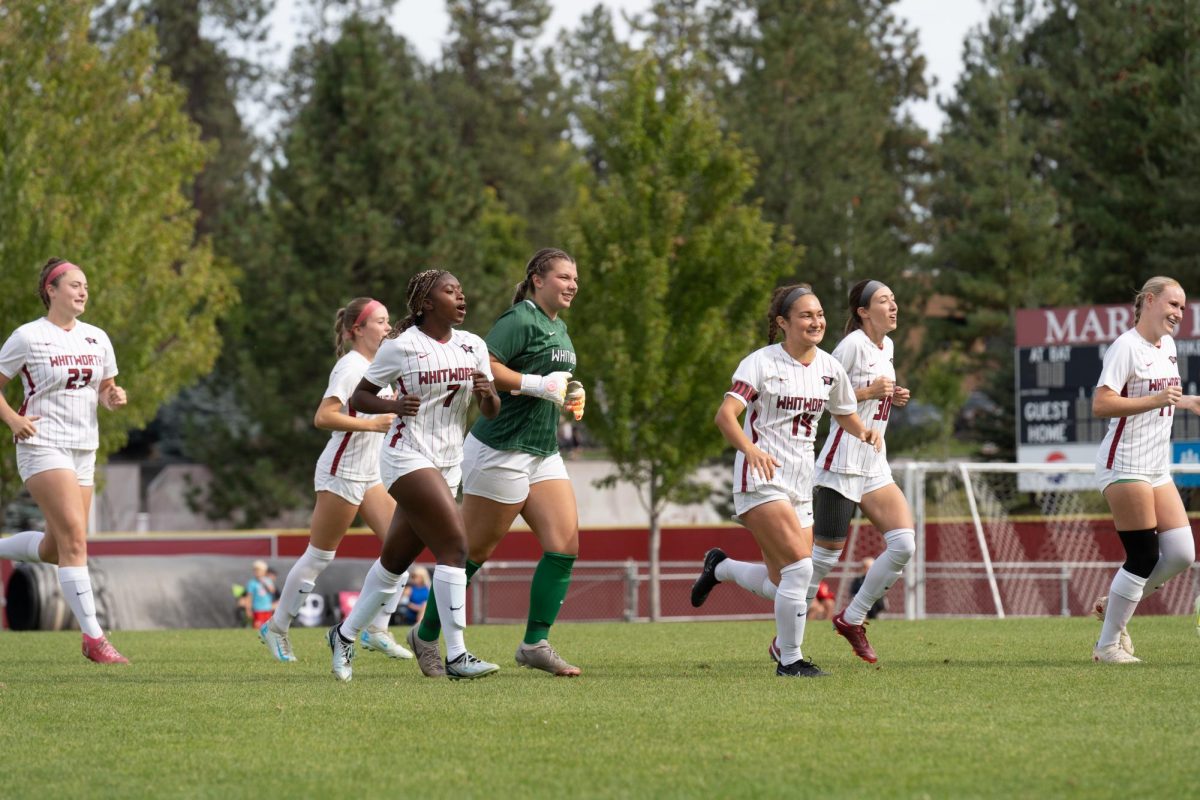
(440, 374)
(865, 362)
(784, 400)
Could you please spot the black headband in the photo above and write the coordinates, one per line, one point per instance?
(868, 292)
(792, 296)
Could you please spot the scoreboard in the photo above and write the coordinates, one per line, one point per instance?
(1059, 353)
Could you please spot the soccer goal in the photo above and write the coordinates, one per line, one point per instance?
(1015, 539)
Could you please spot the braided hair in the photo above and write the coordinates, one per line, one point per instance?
(46, 268)
(540, 264)
(1155, 286)
(343, 324)
(419, 287)
(776, 309)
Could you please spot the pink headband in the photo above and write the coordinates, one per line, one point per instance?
(366, 312)
(66, 266)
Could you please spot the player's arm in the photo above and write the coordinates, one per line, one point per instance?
(111, 396)
(877, 389)
(22, 427)
(727, 423)
(365, 398)
(552, 387)
(853, 425)
(1107, 404)
(485, 394)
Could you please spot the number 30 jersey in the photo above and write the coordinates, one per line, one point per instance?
(440, 374)
(865, 362)
(784, 400)
(61, 372)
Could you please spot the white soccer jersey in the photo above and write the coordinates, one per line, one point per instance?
(61, 372)
(353, 455)
(864, 362)
(784, 400)
(440, 374)
(1133, 367)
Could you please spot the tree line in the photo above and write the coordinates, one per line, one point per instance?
(719, 148)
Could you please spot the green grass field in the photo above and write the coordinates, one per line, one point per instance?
(955, 708)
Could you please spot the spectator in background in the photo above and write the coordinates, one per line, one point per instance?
(416, 595)
(879, 605)
(822, 606)
(260, 594)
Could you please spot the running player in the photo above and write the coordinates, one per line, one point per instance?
(346, 479)
(67, 367)
(785, 388)
(1139, 390)
(849, 473)
(438, 369)
(511, 463)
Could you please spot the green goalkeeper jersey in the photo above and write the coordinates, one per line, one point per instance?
(526, 340)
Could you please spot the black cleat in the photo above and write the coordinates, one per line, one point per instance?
(708, 576)
(804, 668)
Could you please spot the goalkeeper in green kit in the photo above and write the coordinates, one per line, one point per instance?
(511, 464)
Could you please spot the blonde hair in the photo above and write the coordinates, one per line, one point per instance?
(1155, 286)
(343, 324)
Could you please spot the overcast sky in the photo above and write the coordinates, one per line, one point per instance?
(942, 24)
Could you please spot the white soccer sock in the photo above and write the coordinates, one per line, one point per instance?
(823, 560)
(22, 546)
(751, 577)
(1176, 552)
(299, 583)
(450, 590)
(901, 544)
(76, 585)
(379, 588)
(384, 618)
(1123, 597)
(791, 609)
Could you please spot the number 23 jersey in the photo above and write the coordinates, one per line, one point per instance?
(784, 400)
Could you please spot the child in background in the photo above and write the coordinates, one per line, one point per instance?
(260, 594)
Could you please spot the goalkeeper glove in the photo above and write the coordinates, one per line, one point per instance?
(552, 387)
(576, 399)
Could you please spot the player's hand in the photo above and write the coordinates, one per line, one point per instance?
(900, 397)
(113, 398)
(382, 423)
(873, 438)
(575, 400)
(882, 387)
(761, 463)
(407, 405)
(552, 387)
(23, 427)
(481, 385)
(1169, 396)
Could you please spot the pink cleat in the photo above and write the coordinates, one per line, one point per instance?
(856, 635)
(100, 651)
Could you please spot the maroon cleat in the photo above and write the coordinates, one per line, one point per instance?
(100, 651)
(856, 635)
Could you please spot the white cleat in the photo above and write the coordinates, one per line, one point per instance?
(1124, 641)
(382, 642)
(1113, 654)
(277, 642)
(468, 667)
(343, 654)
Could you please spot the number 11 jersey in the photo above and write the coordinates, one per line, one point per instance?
(785, 400)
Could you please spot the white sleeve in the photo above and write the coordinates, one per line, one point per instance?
(481, 355)
(386, 367)
(847, 353)
(841, 394)
(341, 382)
(747, 379)
(110, 358)
(1117, 367)
(14, 354)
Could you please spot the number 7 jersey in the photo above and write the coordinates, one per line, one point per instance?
(440, 374)
(865, 362)
(785, 400)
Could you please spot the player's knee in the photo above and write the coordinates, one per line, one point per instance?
(1141, 551)
(794, 579)
(902, 544)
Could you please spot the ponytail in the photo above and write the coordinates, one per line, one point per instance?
(540, 264)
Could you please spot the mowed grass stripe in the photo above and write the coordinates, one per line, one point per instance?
(964, 708)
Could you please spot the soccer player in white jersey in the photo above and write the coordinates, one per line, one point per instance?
(66, 367)
(438, 369)
(851, 474)
(346, 479)
(783, 388)
(1139, 390)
